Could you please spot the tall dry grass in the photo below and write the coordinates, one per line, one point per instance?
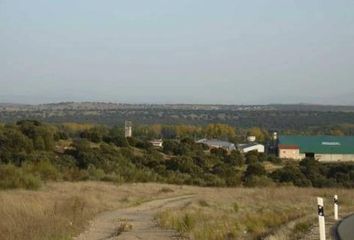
(61, 210)
(252, 213)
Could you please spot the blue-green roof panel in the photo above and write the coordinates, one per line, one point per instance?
(321, 144)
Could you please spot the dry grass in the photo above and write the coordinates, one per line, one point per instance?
(61, 210)
(245, 213)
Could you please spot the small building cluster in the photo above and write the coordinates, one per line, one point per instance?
(321, 148)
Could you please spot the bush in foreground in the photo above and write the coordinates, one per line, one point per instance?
(12, 177)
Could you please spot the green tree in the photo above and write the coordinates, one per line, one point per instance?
(14, 146)
(220, 131)
(255, 169)
(95, 134)
(235, 159)
(291, 174)
(260, 134)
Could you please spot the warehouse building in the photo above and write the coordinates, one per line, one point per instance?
(249, 147)
(158, 143)
(321, 148)
(215, 143)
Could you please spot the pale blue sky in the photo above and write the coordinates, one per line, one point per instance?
(181, 51)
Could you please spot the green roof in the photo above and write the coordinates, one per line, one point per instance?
(321, 144)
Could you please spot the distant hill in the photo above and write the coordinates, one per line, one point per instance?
(116, 106)
(312, 107)
(274, 116)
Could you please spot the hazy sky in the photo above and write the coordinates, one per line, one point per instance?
(177, 51)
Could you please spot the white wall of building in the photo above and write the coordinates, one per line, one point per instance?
(259, 148)
(157, 143)
(334, 157)
(296, 155)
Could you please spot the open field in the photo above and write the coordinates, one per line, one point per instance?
(63, 210)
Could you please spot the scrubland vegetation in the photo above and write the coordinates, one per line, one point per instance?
(32, 153)
(261, 197)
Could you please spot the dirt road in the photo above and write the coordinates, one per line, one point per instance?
(134, 223)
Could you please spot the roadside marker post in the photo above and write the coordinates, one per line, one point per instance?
(335, 207)
(321, 218)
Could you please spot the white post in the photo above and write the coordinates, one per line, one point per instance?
(321, 219)
(336, 207)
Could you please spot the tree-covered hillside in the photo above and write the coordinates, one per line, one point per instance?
(32, 152)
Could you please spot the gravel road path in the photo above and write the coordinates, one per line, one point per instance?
(134, 223)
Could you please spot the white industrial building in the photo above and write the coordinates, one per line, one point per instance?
(214, 143)
(248, 147)
(157, 143)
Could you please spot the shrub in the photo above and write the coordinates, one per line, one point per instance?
(252, 159)
(13, 177)
(291, 174)
(177, 177)
(351, 174)
(234, 180)
(196, 181)
(203, 203)
(219, 152)
(213, 180)
(258, 181)
(95, 173)
(45, 169)
(31, 182)
(75, 174)
(302, 227)
(256, 169)
(262, 157)
(274, 159)
(170, 146)
(113, 178)
(235, 207)
(235, 158)
(188, 223)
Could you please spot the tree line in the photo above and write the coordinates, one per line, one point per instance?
(32, 152)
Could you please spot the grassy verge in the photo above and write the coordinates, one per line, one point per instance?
(59, 211)
(242, 213)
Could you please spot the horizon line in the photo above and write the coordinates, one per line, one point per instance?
(177, 103)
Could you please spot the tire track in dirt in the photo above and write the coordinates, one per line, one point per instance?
(134, 223)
